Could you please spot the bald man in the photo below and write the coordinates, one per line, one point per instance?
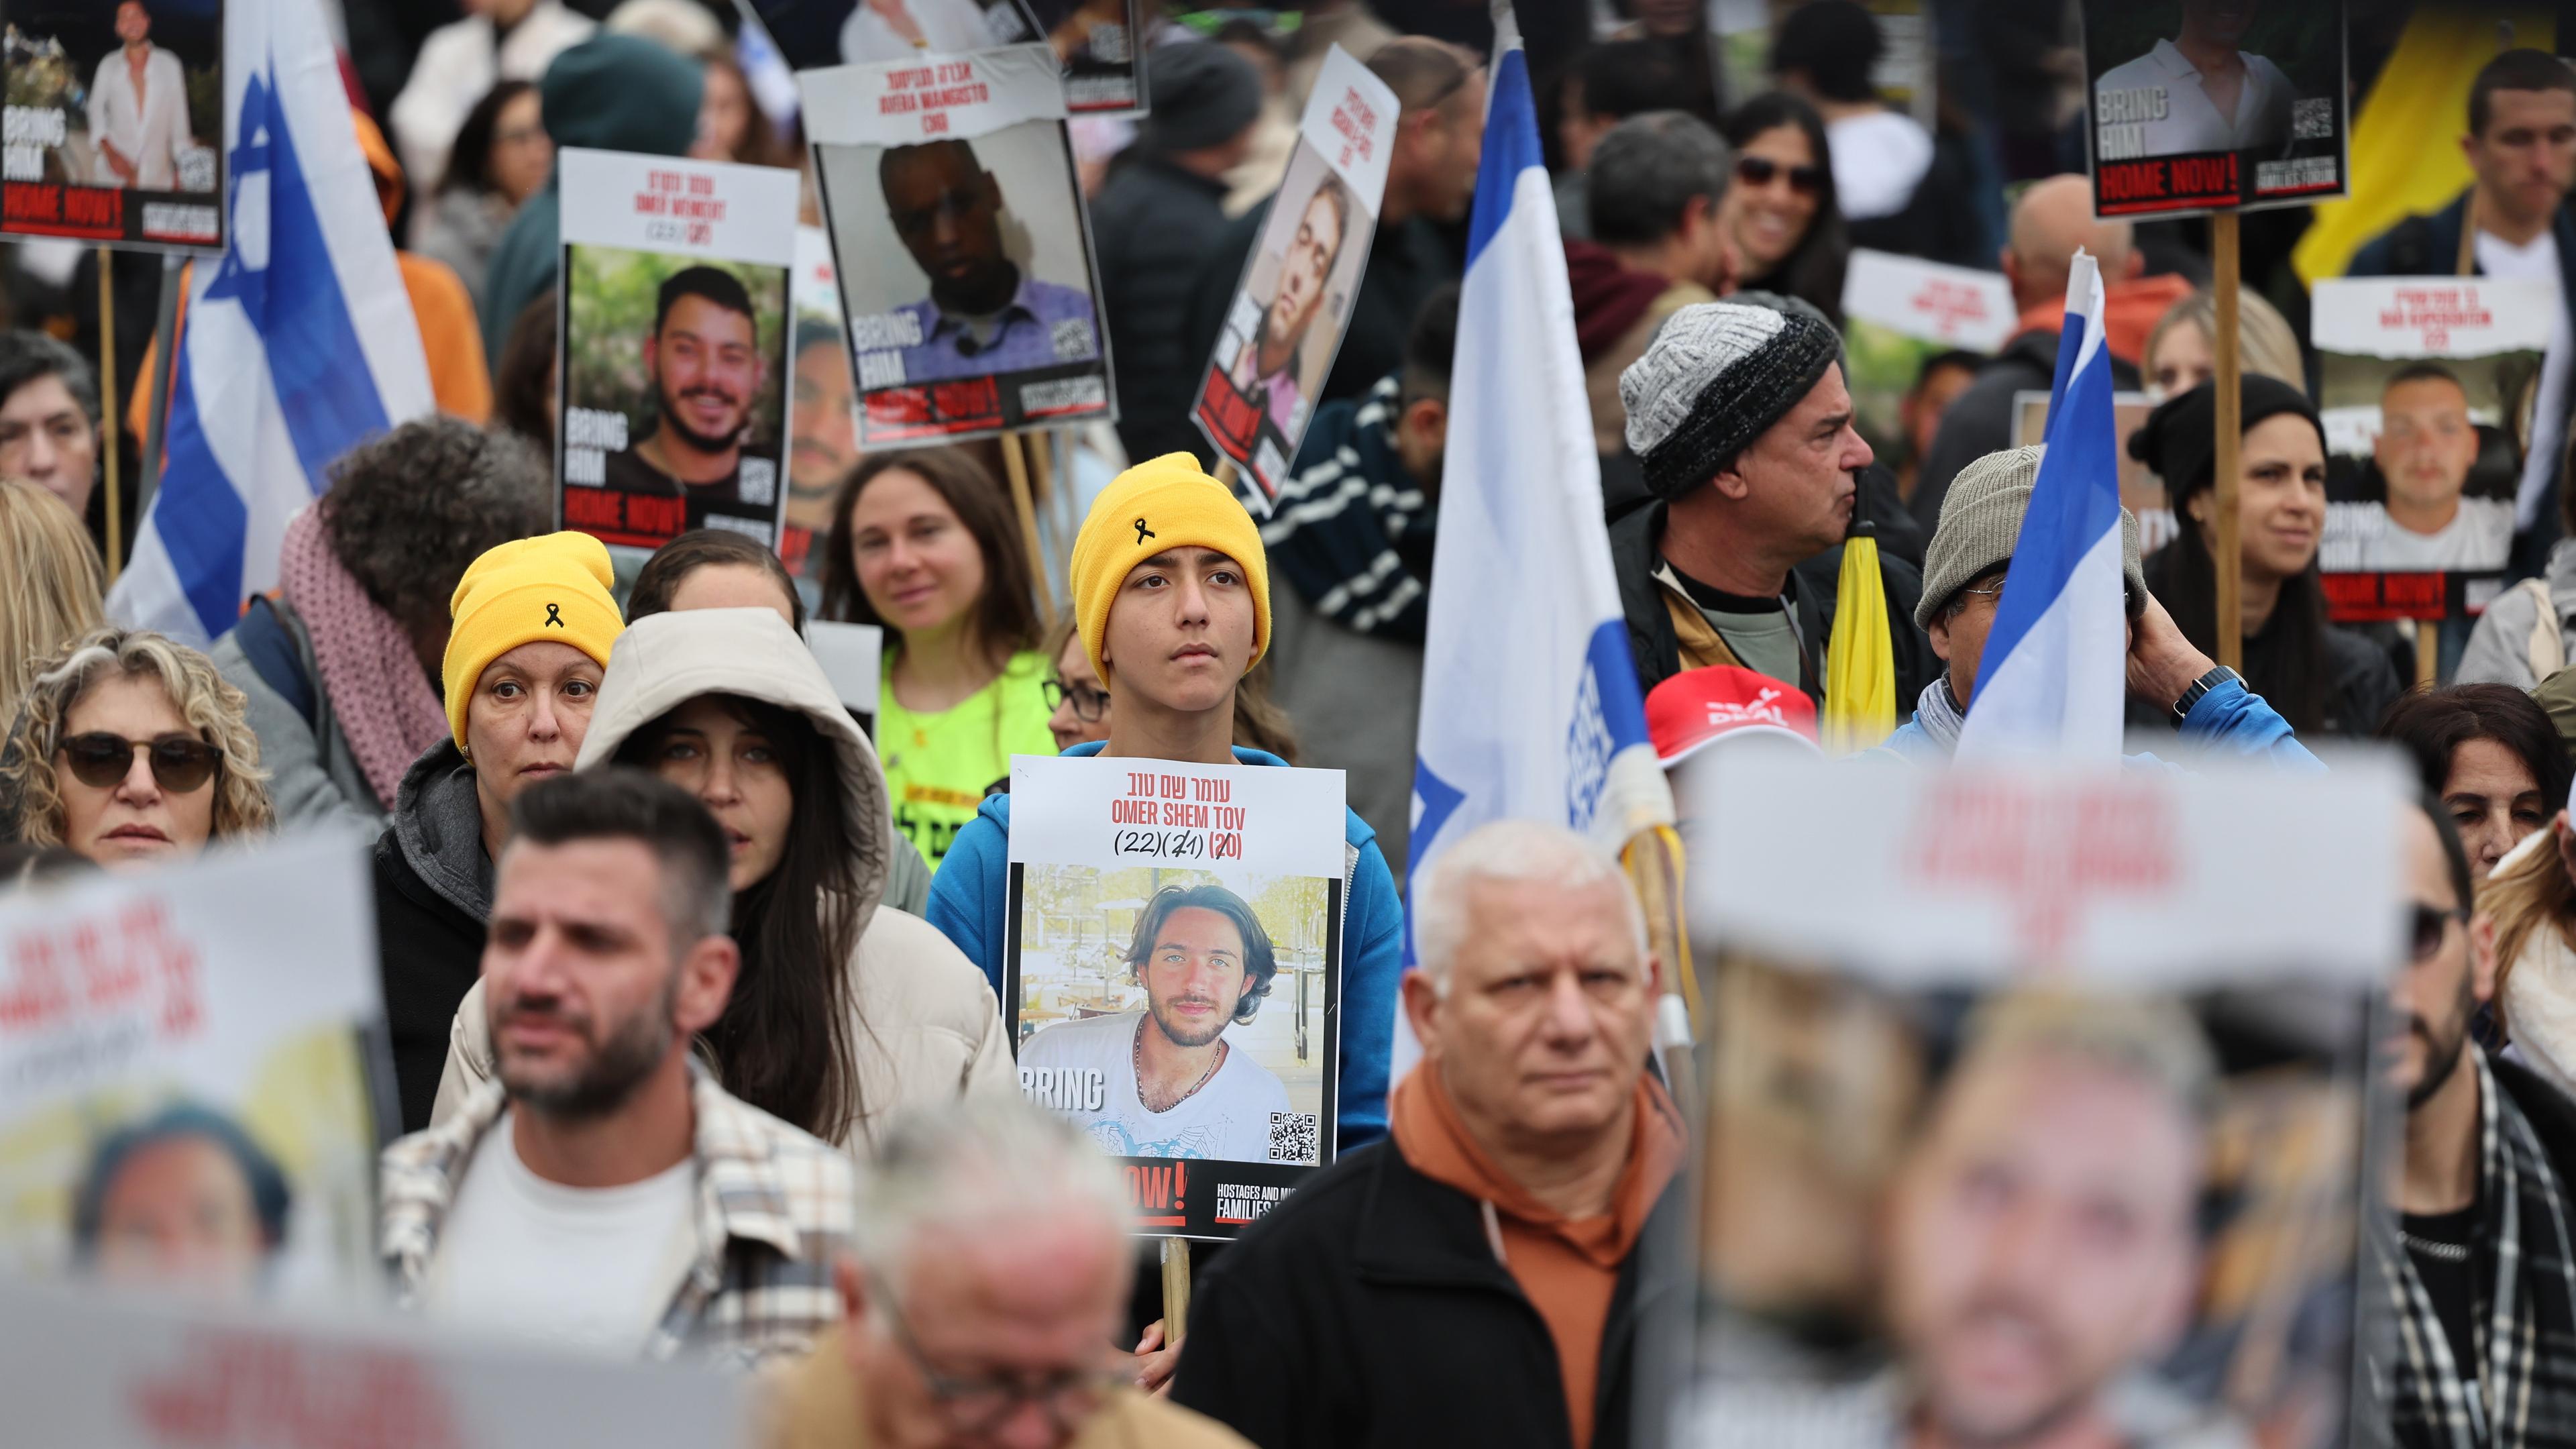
(2050, 221)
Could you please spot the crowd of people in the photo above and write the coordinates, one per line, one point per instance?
(693, 982)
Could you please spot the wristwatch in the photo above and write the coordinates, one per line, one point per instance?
(2202, 686)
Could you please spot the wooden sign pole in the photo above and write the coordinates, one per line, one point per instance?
(1015, 462)
(1176, 1290)
(111, 432)
(2227, 551)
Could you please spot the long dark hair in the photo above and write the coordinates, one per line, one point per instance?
(469, 161)
(1006, 617)
(1813, 269)
(2430, 725)
(787, 1041)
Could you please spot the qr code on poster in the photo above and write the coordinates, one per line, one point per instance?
(1292, 1137)
(2312, 120)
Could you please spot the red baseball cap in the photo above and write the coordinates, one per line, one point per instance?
(1697, 707)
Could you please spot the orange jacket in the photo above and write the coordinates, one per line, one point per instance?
(2130, 311)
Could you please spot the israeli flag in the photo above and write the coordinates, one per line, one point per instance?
(2053, 679)
(1530, 708)
(300, 338)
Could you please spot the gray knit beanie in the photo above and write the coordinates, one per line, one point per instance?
(1980, 523)
(1716, 377)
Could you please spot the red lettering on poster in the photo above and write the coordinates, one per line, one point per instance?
(666, 517)
(971, 400)
(26, 201)
(238, 1386)
(1157, 1194)
(589, 508)
(1228, 414)
(96, 966)
(2374, 598)
(2047, 849)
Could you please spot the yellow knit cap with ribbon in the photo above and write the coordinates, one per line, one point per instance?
(554, 587)
(1164, 503)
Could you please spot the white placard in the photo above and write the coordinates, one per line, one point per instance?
(815, 288)
(2140, 877)
(1350, 121)
(1952, 306)
(679, 206)
(2431, 316)
(1116, 812)
(90, 1371)
(852, 656)
(952, 96)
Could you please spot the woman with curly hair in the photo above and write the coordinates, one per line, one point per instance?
(131, 750)
(341, 672)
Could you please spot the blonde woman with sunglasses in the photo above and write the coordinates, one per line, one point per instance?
(131, 750)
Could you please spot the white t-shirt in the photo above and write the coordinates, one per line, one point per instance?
(2361, 536)
(1879, 160)
(1228, 1119)
(578, 1267)
(2191, 122)
(2536, 260)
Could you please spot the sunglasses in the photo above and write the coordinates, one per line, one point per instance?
(1760, 170)
(180, 762)
(2431, 925)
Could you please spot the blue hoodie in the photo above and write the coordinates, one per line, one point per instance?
(966, 904)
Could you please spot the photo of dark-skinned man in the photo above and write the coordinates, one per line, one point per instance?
(985, 314)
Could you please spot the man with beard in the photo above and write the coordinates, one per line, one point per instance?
(1268, 367)
(823, 445)
(2483, 1222)
(603, 1193)
(1164, 1081)
(705, 365)
(2197, 92)
(984, 315)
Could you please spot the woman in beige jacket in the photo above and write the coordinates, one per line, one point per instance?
(846, 1010)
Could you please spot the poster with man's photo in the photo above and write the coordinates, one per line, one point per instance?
(963, 247)
(183, 1085)
(674, 319)
(115, 122)
(2141, 491)
(2214, 105)
(2073, 1136)
(2427, 391)
(823, 444)
(1098, 44)
(1301, 280)
(1173, 973)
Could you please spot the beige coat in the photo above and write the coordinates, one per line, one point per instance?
(931, 1031)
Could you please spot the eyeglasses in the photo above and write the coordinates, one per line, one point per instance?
(2432, 925)
(1088, 703)
(1759, 171)
(180, 762)
(976, 1407)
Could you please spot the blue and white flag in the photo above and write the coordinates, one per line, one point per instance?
(300, 339)
(2053, 679)
(1530, 708)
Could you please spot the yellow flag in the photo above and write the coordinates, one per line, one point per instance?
(1860, 663)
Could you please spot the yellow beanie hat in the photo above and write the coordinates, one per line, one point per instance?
(1162, 504)
(556, 586)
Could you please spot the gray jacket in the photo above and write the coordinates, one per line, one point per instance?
(313, 775)
(2500, 648)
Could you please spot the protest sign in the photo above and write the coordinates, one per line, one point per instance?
(2141, 491)
(2094, 1066)
(1172, 973)
(2203, 106)
(1899, 315)
(1303, 277)
(183, 1092)
(1097, 44)
(115, 123)
(120, 1373)
(1101, 47)
(823, 445)
(2427, 392)
(674, 326)
(962, 244)
(853, 659)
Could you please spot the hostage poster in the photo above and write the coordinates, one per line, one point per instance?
(2075, 1131)
(2214, 105)
(962, 244)
(115, 122)
(1302, 278)
(1097, 43)
(675, 378)
(183, 1092)
(1173, 973)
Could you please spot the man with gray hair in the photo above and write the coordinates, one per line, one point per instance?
(1476, 1279)
(991, 1269)
(1653, 191)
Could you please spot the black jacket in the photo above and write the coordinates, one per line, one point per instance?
(1980, 420)
(1153, 224)
(1368, 1309)
(1634, 559)
(2551, 1114)
(433, 900)
(1408, 261)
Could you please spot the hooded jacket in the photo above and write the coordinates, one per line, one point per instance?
(2513, 635)
(433, 899)
(926, 1028)
(609, 93)
(967, 900)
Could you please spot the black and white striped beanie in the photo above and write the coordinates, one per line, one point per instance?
(1715, 378)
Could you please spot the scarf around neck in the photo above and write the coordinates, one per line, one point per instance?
(1939, 714)
(380, 697)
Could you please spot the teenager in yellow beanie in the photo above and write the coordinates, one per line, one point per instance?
(530, 626)
(1164, 507)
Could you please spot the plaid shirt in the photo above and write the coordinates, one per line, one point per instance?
(775, 1210)
(2522, 1392)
